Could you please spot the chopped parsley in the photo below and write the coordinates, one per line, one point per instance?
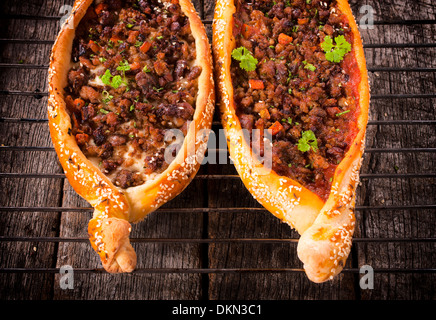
(288, 120)
(247, 61)
(335, 52)
(145, 69)
(341, 113)
(308, 141)
(309, 66)
(157, 89)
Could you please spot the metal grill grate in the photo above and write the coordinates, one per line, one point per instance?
(207, 241)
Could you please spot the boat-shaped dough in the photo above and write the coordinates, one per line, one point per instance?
(294, 97)
(131, 100)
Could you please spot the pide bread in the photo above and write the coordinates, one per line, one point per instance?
(295, 71)
(127, 80)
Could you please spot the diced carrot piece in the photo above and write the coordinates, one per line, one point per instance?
(256, 84)
(275, 128)
(135, 66)
(264, 114)
(79, 103)
(99, 8)
(145, 47)
(93, 46)
(284, 38)
(248, 31)
(303, 21)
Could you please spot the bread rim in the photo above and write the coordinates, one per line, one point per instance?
(116, 208)
(326, 228)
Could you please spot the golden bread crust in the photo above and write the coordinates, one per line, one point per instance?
(325, 228)
(116, 208)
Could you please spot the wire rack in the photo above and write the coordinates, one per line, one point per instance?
(205, 241)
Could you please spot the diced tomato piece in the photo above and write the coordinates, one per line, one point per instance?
(284, 38)
(237, 26)
(256, 84)
(276, 128)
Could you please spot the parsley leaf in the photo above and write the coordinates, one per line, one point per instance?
(113, 81)
(308, 141)
(106, 78)
(116, 82)
(124, 66)
(247, 61)
(335, 52)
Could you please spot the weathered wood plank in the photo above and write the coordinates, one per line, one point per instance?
(389, 10)
(401, 224)
(150, 255)
(26, 192)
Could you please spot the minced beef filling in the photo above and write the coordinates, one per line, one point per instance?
(294, 90)
(132, 79)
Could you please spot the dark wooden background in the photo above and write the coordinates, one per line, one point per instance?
(214, 241)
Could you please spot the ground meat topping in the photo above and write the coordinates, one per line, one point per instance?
(308, 102)
(133, 77)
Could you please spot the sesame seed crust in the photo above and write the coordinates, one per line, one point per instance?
(115, 208)
(326, 228)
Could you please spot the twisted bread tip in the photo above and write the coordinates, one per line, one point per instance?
(324, 249)
(110, 239)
